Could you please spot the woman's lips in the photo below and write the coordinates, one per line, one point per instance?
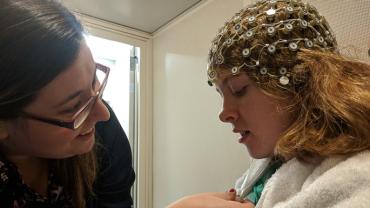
(86, 135)
(87, 132)
(244, 137)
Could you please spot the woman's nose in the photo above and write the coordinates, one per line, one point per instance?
(229, 113)
(99, 112)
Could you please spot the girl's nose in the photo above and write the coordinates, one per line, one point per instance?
(229, 112)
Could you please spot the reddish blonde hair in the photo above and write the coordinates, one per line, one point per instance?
(331, 107)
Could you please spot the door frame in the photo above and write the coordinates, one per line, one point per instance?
(115, 32)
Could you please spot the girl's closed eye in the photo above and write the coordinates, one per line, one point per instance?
(238, 85)
(239, 92)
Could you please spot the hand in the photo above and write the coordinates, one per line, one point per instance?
(211, 200)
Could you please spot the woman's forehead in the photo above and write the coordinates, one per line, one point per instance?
(76, 77)
(223, 75)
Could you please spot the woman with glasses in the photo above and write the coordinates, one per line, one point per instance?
(50, 103)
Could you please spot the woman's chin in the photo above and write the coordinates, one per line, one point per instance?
(257, 154)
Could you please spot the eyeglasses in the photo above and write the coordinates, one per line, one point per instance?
(102, 73)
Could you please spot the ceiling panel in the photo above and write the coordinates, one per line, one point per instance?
(144, 15)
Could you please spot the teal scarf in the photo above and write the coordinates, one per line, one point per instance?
(257, 189)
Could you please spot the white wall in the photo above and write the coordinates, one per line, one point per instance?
(350, 20)
(193, 151)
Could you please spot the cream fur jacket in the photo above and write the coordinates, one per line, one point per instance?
(337, 182)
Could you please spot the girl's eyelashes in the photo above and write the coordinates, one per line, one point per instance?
(238, 87)
(240, 92)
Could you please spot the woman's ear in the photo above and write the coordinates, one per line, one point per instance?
(3, 130)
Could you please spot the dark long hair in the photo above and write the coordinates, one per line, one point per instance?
(39, 39)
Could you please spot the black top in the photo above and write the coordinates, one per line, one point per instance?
(112, 186)
(15, 194)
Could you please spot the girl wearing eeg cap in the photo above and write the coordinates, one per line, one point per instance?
(300, 107)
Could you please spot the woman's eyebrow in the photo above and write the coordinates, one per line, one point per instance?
(232, 78)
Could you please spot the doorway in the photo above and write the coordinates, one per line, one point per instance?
(121, 90)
